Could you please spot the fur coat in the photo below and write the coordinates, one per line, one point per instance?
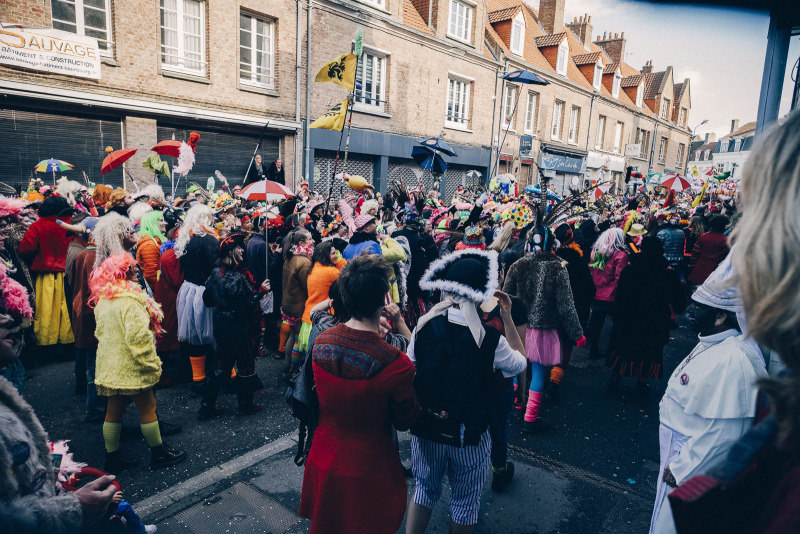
(29, 500)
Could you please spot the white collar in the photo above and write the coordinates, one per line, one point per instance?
(719, 336)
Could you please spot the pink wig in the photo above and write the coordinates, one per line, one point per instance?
(14, 294)
(108, 278)
(11, 207)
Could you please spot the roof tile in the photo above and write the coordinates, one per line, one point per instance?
(632, 81)
(611, 68)
(412, 18)
(503, 14)
(585, 59)
(652, 84)
(744, 129)
(550, 40)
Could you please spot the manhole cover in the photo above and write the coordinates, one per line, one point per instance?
(240, 509)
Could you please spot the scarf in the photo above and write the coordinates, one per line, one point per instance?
(303, 250)
(468, 309)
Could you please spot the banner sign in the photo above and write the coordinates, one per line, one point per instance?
(49, 50)
(557, 162)
(525, 145)
(633, 149)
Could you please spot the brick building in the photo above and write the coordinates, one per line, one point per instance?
(224, 69)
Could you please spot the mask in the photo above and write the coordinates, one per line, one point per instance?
(701, 318)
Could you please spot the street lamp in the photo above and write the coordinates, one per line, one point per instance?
(686, 170)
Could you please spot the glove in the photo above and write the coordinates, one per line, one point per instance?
(581, 342)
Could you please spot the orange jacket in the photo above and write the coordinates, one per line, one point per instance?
(319, 285)
(148, 256)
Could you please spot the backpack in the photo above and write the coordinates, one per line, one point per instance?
(453, 382)
(301, 395)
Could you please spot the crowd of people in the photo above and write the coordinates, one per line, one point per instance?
(411, 313)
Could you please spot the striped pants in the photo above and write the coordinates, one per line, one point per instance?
(466, 470)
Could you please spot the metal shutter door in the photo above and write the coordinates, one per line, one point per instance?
(28, 137)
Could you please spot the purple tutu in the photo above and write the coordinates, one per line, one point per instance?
(543, 346)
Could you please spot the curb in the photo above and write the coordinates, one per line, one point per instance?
(169, 497)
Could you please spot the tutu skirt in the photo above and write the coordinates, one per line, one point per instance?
(195, 320)
(543, 346)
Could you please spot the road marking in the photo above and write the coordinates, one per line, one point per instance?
(209, 477)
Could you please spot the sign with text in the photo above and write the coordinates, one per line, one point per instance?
(525, 145)
(562, 163)
(49, 50)
(633, 149)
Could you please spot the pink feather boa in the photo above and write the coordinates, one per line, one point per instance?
(15, 296)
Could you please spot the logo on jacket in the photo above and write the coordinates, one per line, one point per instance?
(684, 379)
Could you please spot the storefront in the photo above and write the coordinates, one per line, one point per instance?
(569, 165)
(602, 167)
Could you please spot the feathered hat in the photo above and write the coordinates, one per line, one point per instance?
(469, 273)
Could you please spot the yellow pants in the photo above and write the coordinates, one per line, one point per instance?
(51, 320)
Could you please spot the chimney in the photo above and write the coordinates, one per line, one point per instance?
(648, 67)
(613, 45)
(582, 27)
(710, 138)
(551, 15)
(734, 125)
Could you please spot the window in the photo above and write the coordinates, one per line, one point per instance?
(720, 167)
(458, 102)
(601, 132)
(90, 18)
(723, 145)
(598, 75)
(639, 95)
(183, 46)
(561, 60)
(558, 112)
(619, 128)
(460, 20)
(574, 122)
(518, 34)
(664, 108)
(531, 110)
(662, 150)
(643, 139)
(376, 3)
(737, 145)
(508, 106)
(256, 51)
(682, 117)
(371, 76)
(679, 161)
(708, 155)
(615, 85)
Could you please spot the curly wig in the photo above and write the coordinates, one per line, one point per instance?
(107, 235)
(116, 198)
(138, 209)
(101, 194)
(198, 219)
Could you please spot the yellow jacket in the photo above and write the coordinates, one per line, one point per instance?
(127, 362)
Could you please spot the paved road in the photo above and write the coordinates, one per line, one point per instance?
(593, 471)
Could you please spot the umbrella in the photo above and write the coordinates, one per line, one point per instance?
(675, 182)
(436, 143)
(53, 165)
(524, 76)
(472, 174)
(116, 158)
(169, 147)
(600, 190)
(265, 190)
(536, 190)
(429, 159)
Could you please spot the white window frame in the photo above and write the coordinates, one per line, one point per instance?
(616, 84)
(662, 150)
(380, 4)
(459, 25)
(460, 122)
(599, 138)
(722, 146)
(639, 95)
(378, 97)
(664, 108)
(679, 160)
(509, 97)
(562, 58)
(181, 48)
(737, 145)
(682, 116)
(270, 69)
(531, 112)
(574, 125)
(80, 23)
(619, 130)
(518, 30)
(597, 80)
(558, 113)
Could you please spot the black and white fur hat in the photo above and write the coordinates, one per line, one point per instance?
(469, 273)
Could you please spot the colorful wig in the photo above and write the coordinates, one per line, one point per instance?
(606, 246)
(148, 225)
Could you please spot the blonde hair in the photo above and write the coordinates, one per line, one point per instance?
(198, 218)
(107, 235)
(503, 239)
(766, 254)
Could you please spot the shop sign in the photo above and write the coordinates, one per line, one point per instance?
(558, 162)
(599, 160)
(49, 50)
(633, 150)
(525, 145)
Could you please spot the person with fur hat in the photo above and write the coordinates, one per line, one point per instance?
(541, 280)
(232, 293)
(710, 401)
(456, 356)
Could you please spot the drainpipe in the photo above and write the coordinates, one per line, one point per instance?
(493, 164)
(430, 14)
(309, 172)
(591, 110)
(494, 117)
(298, 54)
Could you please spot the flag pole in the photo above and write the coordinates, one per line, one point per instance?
(508, 127)
(346, 143)
(348, 109)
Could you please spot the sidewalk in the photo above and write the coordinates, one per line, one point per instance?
(260, 492)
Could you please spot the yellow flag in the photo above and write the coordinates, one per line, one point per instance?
(695, 172)
(341, 70)
(333, 119)
(696, 201)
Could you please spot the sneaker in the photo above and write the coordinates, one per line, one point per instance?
(551, 392)
(501, 478)
(533, 427)
(164, 456)
(249, 409)
(116, 463)
(208, 412)
(149, 529)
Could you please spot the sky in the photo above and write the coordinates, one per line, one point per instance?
(721, 50)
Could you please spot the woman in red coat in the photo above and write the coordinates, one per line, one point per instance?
(709, 250)
(165, 292)
(354, 480)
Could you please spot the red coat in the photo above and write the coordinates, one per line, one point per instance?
(165, 292)
(353, 480)
(709, 251)
(83, 323)
(44, 246)
(606, 280)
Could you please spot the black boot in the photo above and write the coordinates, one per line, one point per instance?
(169, 429)
(502, 478)
(164, 456)
(116, 463)
(551, 392)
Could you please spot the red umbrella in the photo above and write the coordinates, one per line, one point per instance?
(116, 158)
(169, 147)
(601, 190)
(675, 182)
(265, 190)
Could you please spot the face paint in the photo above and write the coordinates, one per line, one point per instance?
(701, 318)
(336, 256)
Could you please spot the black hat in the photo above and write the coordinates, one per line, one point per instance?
(231, 242)
(469, 273)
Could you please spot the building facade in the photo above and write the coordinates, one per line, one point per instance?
(734, 148)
